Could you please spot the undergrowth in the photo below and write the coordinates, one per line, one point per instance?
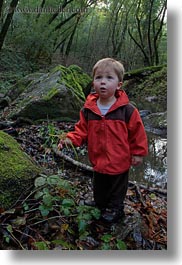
(50, 218)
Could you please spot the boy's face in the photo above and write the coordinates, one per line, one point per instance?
(106, 82)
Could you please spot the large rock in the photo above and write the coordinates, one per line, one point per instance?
(17, 171)
(57, 94)
(147, 87)
(156, 123)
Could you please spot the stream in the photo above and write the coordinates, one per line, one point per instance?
(153, 171)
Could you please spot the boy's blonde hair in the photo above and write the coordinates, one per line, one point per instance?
(110, 62)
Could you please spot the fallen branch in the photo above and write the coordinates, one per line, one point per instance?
(157, 190)
(71, 160)
(90, 169)
(138, 192)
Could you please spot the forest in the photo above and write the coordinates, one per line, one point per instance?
(48, 45)
(81, 32)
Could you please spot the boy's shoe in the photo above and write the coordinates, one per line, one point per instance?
(112, 215)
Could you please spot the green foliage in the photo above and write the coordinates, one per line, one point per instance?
(110, 242)
(42, 245)
(50, 134)
(85, 215)
(156, 84)
(56, 192)
(55, 201)
(57, 186)
(46, 36)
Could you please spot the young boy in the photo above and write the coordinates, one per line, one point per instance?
(115, 136)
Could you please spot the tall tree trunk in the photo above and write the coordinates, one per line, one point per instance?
(64, 4)
(41, 6)
(7, 22)
(159, 31)
(1, 6)
(68, 48)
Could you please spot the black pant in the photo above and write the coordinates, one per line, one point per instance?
(110, 190)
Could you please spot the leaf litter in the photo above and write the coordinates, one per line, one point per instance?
(53, 215)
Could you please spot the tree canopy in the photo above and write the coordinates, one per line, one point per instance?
(83, 31)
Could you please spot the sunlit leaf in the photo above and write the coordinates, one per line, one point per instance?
(40, 181)
(53, 180)
(63, 243)
(42, 245)
(64, 227)
(68, 202)
(106, 238)
(153, 196)
(19, 221)
(38, 195)
(9, 228)
(121, 245)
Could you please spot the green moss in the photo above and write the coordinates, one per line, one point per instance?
(144, 71)
(51, 93)
(58, 93)
(74, 79)
(155, 84)
(17, 170)
(152, 83)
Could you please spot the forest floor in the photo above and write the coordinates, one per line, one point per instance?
(53, 214)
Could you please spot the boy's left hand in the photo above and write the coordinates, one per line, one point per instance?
(136, 160)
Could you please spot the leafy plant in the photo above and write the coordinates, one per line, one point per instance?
(53, 136)
(110, 242)
(51, 192)
(84, 217)
(56, 194)
(50, 134)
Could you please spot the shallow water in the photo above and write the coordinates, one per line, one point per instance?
(153, 171)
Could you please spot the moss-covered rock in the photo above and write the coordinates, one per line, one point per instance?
(17, 171)
(156, 123)
(148, 83)
(57, 94)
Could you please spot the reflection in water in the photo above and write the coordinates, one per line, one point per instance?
(153, 171)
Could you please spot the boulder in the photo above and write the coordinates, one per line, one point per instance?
(57, 94)
(17, 171)
(156, 123)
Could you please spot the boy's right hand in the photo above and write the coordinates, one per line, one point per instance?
(66, 141)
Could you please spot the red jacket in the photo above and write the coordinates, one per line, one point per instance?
(112, 139)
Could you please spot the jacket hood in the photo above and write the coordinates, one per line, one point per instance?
(91, 101)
